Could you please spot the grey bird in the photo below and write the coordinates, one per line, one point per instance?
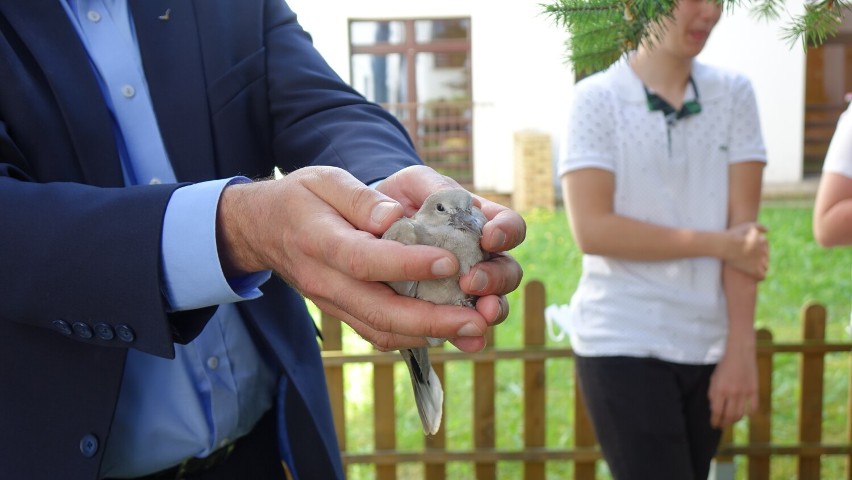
(447, 219)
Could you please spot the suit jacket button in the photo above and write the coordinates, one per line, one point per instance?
(82, 330)
(89, 445)
(125, 333)
(104, 331)
(62, 327)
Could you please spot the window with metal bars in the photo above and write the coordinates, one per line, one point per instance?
(419, 69)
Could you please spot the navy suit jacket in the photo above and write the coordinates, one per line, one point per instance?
(237, 88)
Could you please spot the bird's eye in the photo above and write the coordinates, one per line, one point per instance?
(440, 207)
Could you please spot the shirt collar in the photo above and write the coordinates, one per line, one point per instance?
(630, 88)
(691, 106)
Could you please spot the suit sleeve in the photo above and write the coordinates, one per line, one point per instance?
(84, 262)
(318, 118)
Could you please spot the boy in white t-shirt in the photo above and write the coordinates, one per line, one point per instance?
(662, 178)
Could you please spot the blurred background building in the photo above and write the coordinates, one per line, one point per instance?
(471, 79)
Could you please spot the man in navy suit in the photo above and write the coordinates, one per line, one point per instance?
(151, 287)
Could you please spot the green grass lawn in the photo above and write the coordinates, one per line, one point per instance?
(800, 272)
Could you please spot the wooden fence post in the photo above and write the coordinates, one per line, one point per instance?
(760, 423)
(332, 340)
(534, 378)
(811, 381)
(483, 411)
(849, 423)
(384, 416)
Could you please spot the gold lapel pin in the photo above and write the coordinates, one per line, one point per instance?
(165, 17)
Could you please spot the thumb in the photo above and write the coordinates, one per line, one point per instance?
(363, 207)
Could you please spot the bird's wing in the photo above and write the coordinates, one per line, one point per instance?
(406, 288)
(404, 231)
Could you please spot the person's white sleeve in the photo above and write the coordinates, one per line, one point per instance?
(838, 159)
(591, 136)
(746, 135)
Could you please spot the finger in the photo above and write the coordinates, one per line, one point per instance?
(362, 256)
(413, 184)
(495, 308)
(365, 208)
(726, 416)
(717, 407)
(734, 410)
(505, 228)
(389, 341)
(420, 318)
(469, 344)
(382, 341)
(380, 308)
(368, 258)
(499, 275)
(715, 418)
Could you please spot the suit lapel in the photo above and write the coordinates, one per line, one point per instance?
(74, 85)
(168, 41)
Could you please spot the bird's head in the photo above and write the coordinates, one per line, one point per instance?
(454, 208)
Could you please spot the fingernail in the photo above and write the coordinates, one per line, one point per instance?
(443, 267)
(381, 211)
(479, 282)
(469, 330)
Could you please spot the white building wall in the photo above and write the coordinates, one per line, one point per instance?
(777, 72)
(521, 82)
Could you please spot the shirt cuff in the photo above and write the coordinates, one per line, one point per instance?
(192, 271)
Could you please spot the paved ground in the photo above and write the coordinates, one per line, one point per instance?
(804, 190)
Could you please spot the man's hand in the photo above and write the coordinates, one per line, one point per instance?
(491, 280)
(317, 229)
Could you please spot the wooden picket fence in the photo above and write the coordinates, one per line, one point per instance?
(584, 453)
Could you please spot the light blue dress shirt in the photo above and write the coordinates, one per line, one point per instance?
(218, 385)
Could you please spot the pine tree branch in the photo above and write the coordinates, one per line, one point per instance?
(601, 31)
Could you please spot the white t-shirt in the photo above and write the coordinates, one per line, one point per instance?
(667, 175)
(838, 159)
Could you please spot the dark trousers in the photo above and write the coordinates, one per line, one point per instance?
(651, 418)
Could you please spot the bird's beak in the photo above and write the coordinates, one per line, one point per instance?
(464, 220)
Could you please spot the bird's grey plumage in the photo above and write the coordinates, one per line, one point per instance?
(448, 220)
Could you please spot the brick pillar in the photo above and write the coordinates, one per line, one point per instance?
(533, 172)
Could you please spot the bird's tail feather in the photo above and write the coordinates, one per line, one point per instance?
(428, 393)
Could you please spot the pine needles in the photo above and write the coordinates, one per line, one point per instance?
(603, 30)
